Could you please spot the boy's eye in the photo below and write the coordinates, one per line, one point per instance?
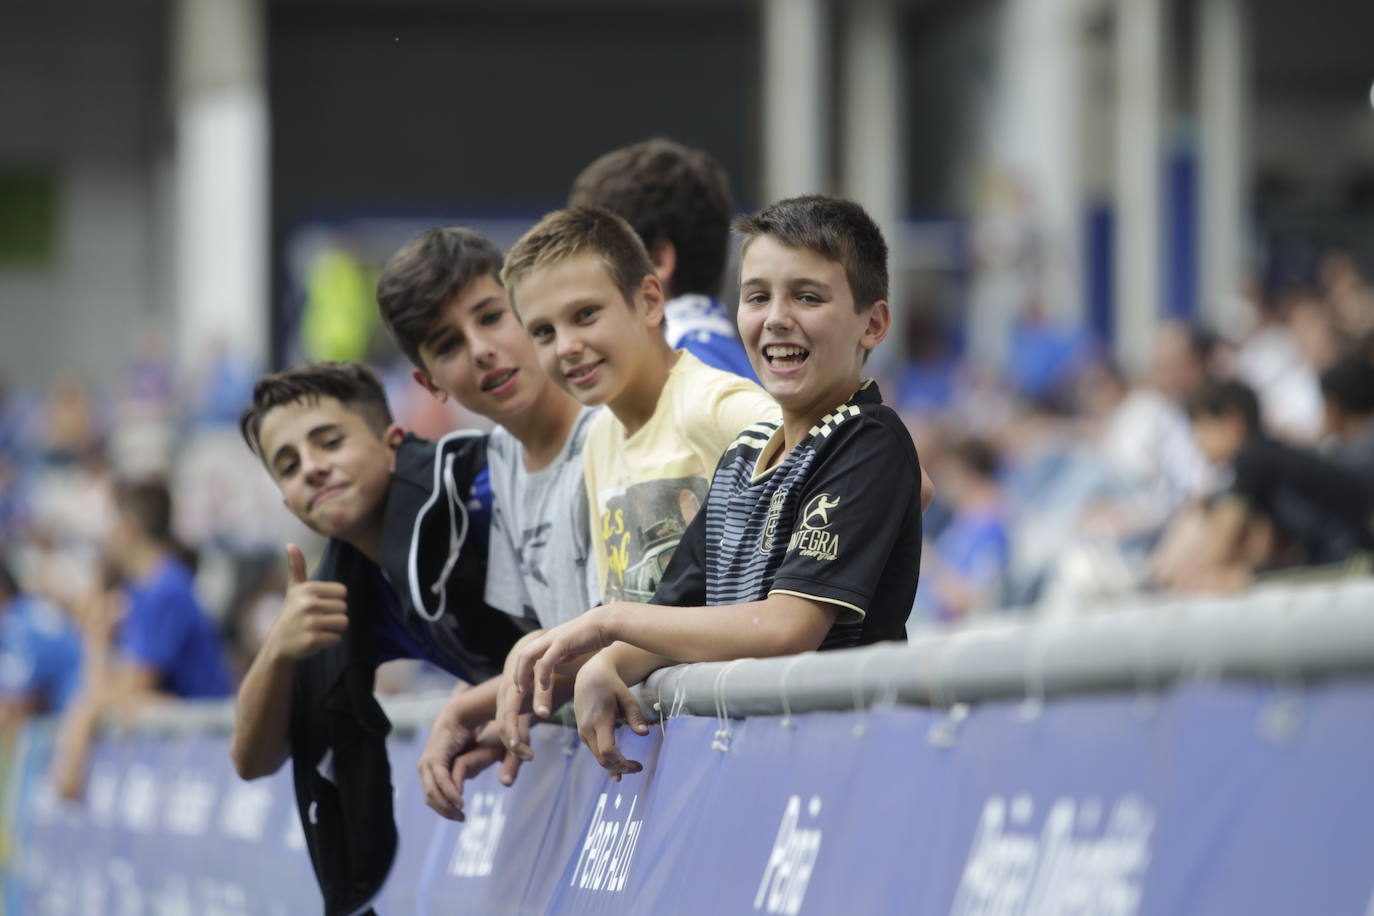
(286, 470)
(542, 333)
(585, 314)
(808, 297)
(447, 345)
(493, 316)
(333, 442)
(755, 298)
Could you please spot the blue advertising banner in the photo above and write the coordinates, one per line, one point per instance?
(1206, 799)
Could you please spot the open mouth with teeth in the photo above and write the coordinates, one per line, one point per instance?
(785, 356)
(497, 379)
(583, 370)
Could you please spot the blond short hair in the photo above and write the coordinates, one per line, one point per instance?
(565, 234)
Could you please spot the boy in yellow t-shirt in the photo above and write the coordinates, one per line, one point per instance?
(585, 289)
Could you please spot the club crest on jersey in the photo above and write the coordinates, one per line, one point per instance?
(812, 538)
(770, 524)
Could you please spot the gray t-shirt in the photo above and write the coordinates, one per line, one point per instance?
(539, 564)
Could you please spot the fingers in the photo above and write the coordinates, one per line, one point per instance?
(439, 791)
(634, 715)
(467, 765)
(295, 565)
(510, 768)
(325, 591)
(599, 736)
(543, 683)
(508, 714)
(524, 663)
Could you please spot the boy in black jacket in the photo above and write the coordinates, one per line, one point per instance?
(401, 577)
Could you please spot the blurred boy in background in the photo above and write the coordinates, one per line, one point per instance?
(149, 639)
(1285, 506)
(40, 654)
(677, 199)
(966, 565)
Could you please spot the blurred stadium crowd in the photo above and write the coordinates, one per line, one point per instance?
(1061, 479)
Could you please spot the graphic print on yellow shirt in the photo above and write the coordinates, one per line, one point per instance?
(640, 528)
(644, 488)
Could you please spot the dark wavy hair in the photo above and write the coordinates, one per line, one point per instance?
(351, 384)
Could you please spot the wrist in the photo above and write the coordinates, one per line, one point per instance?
(274, 655)
(460, 712)
(599, 666)
(614, 621)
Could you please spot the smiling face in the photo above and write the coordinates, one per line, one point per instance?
(478, 353)
(332, 469)
(589, 340)
(798, 323)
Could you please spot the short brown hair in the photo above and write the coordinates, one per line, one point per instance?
(568, 233)
(425, 275)
(834, 228)
(669, 193)
(148, 503)
(351, 384)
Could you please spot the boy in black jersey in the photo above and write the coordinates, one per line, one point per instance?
(811, 531)
(401, 577)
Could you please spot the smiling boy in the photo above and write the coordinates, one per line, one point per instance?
(810, 536)
(399, 579)
(441, 298)
(586, 291)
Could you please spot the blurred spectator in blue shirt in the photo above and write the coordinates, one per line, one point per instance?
(149, 641)
(40, 654)
(965, 568)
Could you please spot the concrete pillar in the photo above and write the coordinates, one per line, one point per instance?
(1222, 102)
(872, 132)
(1139, 73)
(872, 129)
(221, 179)
(1029, 220)
(796, 69)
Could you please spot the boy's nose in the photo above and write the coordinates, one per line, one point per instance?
(483, 355)
(779, 315)
(569, 347)
(316, 468)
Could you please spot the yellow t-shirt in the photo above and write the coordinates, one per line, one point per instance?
(643, 490)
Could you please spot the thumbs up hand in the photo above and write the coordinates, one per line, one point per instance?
(314, 615)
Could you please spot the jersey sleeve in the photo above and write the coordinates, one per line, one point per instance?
(155, 629)
(684, 581)
(851, 512)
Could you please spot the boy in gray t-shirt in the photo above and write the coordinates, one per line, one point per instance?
(539, 531)
(442, 300)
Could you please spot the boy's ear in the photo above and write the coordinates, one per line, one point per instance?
(650, 295)
(424, 381)
(393, 436)
(879, 323)
(663, 255)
